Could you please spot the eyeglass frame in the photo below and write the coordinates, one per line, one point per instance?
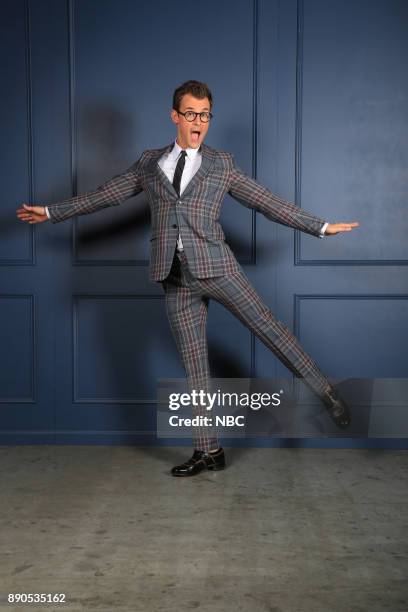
(195, 115)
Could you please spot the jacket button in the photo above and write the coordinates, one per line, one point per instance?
(174, 225)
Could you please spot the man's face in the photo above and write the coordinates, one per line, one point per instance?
(187, 136)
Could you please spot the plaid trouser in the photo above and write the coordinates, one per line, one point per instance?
(187, 301)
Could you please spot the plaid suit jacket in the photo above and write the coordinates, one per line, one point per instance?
(194, 214)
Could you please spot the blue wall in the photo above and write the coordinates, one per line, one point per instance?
(311, 97)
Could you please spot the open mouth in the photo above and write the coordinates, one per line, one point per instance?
(195, 135)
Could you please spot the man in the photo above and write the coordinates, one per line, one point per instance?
(186, 182)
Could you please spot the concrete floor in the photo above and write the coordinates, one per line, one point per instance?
(279, 530)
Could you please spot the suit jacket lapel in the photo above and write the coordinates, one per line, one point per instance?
(157, 171)
(206, 163)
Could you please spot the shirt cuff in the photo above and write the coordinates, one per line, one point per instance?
(322, 230)
(47, 212)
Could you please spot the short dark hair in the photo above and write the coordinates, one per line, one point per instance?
(195, 88)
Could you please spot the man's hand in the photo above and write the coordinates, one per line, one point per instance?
(32, 214)
(336, 228)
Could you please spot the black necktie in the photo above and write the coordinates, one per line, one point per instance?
(179, 171)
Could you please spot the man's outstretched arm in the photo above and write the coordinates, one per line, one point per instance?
(251, 194)
(111, 193)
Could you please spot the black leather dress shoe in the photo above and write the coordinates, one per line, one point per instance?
(200, 461)
(337, 408)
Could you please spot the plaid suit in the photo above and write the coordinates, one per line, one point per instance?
(187, 301)
(207, 267)
(194, 214)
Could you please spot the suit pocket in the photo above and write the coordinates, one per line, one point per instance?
(154, 238)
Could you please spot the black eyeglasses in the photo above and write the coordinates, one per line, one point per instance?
(191, 115)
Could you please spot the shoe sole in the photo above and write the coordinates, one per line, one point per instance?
(211, 468)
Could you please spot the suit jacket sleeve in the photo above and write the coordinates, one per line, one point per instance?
(251, 194)
(111, 193)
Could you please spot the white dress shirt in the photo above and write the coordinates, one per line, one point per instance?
(168, 164)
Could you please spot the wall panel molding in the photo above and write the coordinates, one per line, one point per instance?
(30, 299)
(298, 259)
(30, 260)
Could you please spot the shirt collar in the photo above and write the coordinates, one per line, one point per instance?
(191, 153)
